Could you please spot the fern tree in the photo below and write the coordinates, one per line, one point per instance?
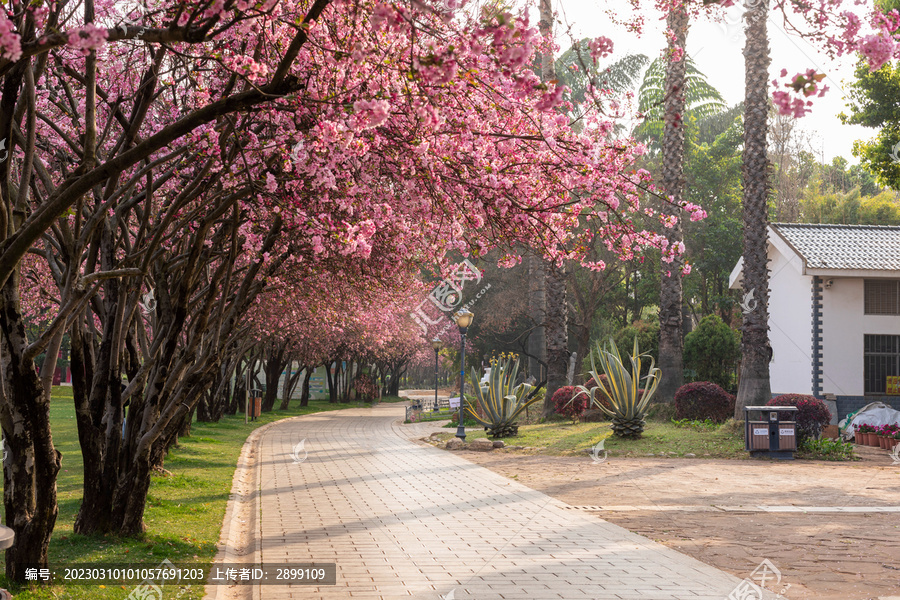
(575, 69)
(701, 101)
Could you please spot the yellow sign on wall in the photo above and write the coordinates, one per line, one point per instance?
(893, 385)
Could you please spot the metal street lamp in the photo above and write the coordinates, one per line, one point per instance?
(463, 320)
(436, 344)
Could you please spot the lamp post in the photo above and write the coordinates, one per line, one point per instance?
(463, 320)
(436, 344)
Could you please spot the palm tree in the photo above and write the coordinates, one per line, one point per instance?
(671, 340)
(754, 387)
(671, 92)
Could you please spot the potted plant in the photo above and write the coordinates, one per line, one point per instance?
(862, 434)
(887, 435)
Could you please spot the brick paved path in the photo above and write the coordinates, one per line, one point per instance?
(403, 519)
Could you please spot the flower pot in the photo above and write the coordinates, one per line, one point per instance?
(862, 439)
(883, 441)
(873, 440)
(892, 443)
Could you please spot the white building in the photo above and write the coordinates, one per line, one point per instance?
(834, 311)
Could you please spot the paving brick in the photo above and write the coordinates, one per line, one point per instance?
(403, 519)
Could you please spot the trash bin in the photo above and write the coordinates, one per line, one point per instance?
(255, 408)
(770, 431)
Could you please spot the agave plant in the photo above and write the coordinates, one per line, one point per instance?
(500, 402)
(626, 404)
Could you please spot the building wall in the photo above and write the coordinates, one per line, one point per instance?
(790, 323)
(318, 384)
(851, 404)
(843, 328)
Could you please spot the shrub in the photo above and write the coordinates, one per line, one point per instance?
(826, 449)
(569, 402)
(812, 414)
(366, 390)
(703, 400)
(712, 350)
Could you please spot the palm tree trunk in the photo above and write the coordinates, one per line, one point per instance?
(671, 340)
(537, 311)
(556, 322)
(755, 388)
(557, 335)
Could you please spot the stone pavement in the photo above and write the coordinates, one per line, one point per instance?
(403, 519)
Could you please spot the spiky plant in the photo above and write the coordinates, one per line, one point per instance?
(623, 389)
(500, 402)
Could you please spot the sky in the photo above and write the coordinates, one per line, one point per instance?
(716, 49)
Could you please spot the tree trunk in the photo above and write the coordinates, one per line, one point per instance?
(32, 462)
(331, 378)
(275, 363)
(556, 322)
(671, 339)
(755, 387)
(304, 395)
(557, 335)
(537, 312)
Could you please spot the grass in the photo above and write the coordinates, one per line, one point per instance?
(184, 511)
(562, 438)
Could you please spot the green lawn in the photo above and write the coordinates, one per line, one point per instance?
(184, 511)
(564, 438)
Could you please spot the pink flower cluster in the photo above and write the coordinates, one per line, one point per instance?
(10, 42)
(697, 212)
(805, 84)
(551, 99)
(87, 37)
(600, 47)
(877, 49)
(247, 67)
(370, 114)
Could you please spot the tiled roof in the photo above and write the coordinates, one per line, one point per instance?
(844, 246)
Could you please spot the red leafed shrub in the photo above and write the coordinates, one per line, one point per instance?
(602, 395)
(564, 403)
(812, 414)
(703, 400)
(366, 390)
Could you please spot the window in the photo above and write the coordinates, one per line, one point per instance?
(882, 297)
(881, 359)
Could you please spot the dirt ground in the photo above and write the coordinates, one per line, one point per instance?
(827, 556)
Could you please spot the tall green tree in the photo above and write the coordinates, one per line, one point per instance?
(713, 245)
(873, 103)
